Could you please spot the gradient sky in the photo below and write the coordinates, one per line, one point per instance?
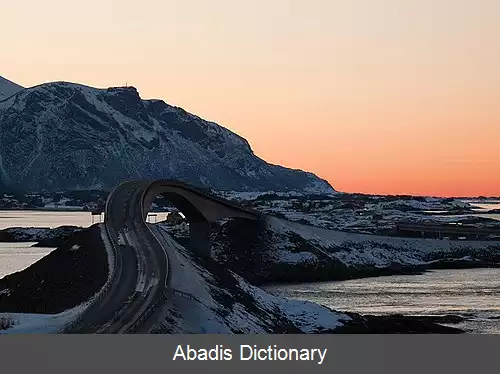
(387, 96)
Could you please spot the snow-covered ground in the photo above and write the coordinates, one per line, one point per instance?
(309, 317)
(361, 213)
(26, 323)
(362, 249)
(206, 301)
(249, 196)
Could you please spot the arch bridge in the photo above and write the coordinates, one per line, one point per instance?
(199, 208)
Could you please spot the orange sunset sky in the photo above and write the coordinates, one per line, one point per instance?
(376, 96)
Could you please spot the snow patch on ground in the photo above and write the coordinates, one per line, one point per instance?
(365, 249)
(308, 316)
(294, 257)
(121, 239)
(201, 304)
(252, 195)
(28, 323)
(361, 214)
(191, 305)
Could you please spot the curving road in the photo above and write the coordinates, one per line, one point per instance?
(140, 277)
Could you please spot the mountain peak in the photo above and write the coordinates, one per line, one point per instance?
(122, 89)
(8, 88)
(126, 91)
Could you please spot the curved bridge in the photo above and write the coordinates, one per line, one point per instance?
(140, 275)
(200, 209)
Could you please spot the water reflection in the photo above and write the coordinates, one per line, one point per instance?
(472, 292)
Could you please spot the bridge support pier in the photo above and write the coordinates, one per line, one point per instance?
(199, 238)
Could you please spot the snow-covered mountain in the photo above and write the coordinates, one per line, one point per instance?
(8, 88)
(62, 136)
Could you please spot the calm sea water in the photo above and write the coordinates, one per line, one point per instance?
(18, 256)
(473, 293)
(36, 218)
(486, 207)
(492, 205)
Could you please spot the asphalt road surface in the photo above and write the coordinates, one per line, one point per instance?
(141, 274)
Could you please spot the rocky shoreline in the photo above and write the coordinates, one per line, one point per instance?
(286, 275)
(400, 324)
(43, 236)
(67, 276)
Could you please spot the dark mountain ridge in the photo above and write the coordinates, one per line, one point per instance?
(8, 88)
(66, 136)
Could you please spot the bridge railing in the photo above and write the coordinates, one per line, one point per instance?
(147, 314)
(112, 263)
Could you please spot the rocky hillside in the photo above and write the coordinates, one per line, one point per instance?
(276, 250)
(65, 136)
